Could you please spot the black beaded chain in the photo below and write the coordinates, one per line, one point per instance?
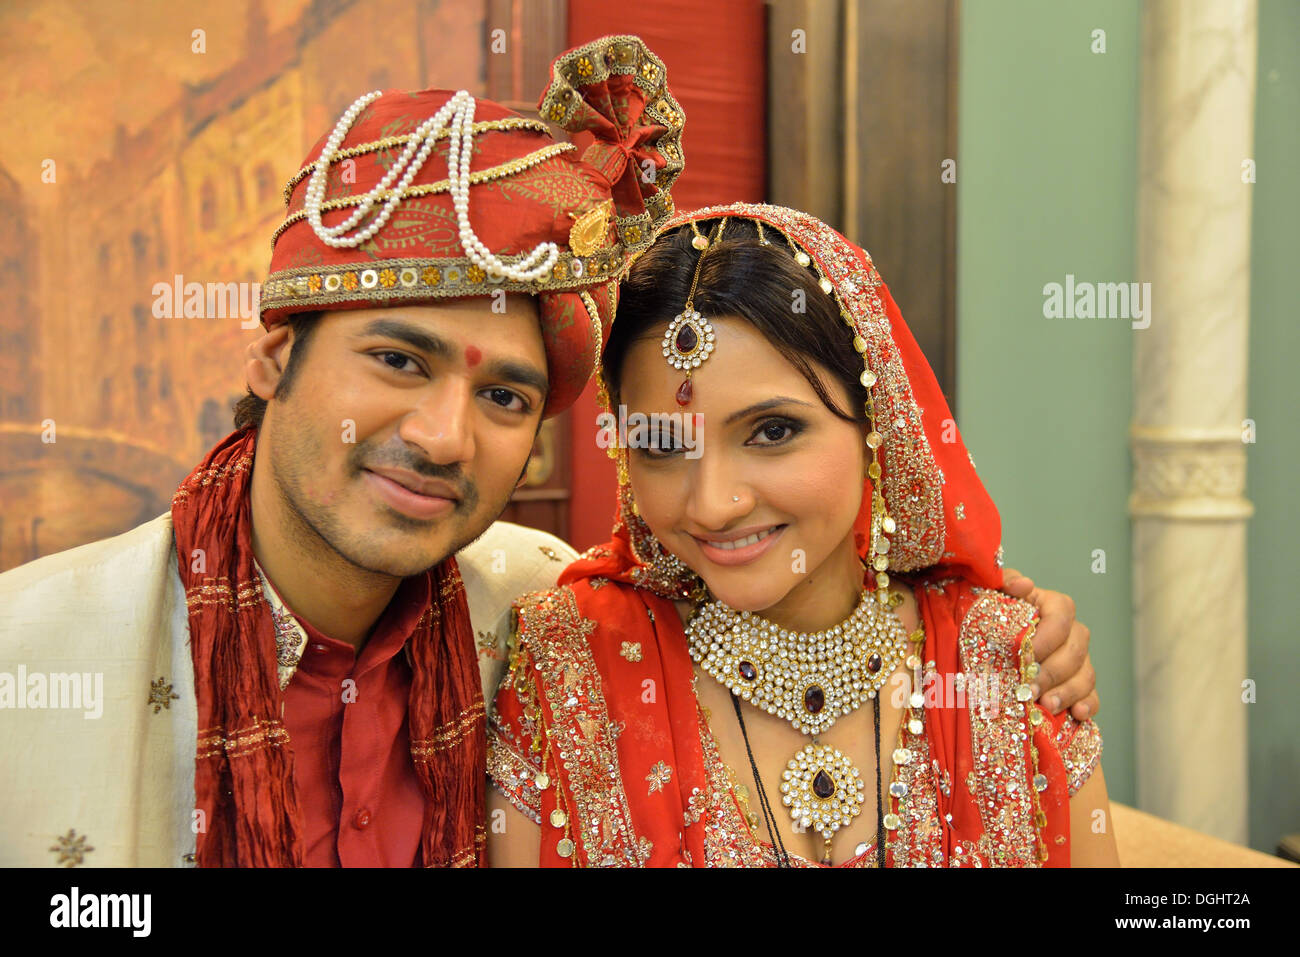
(783, 856)
(880, 818)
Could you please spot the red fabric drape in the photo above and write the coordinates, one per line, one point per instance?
(716, 55)
(243, 781)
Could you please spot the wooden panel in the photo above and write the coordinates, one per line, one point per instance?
(901, 100)
(859, 126)
(805, 93)
(543, 500)
(535, 33)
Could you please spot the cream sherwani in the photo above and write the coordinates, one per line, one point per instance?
(107, 779)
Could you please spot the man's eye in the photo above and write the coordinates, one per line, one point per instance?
(397, 361)
(508, 400)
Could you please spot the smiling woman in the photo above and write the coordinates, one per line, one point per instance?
(773, 609)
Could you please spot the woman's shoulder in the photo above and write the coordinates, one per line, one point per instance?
(990, 626)
(574, 622)
(544, 618)
(994, 627)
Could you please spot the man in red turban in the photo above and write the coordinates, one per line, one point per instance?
(442, 281)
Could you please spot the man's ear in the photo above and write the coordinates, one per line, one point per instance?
(264, 360)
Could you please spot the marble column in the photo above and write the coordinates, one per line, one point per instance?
(1190, 368)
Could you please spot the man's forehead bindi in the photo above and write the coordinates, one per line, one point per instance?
(473, 356)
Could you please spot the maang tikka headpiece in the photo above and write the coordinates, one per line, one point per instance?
(689, 339)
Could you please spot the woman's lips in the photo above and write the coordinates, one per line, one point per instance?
(742, 554)
(402, 499)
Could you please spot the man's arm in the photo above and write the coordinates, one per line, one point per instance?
(1066, 678)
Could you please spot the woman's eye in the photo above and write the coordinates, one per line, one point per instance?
(775, 432)
(658, 445)
(664, 444)
(508, 400)
(397, 361)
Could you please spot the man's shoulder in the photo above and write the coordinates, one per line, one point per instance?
(514, 558)
(505, 562)
(106, 625)
(142, 548)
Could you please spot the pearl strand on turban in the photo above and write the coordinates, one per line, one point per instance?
(460, 109)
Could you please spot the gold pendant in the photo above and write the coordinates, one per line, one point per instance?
(822, 789)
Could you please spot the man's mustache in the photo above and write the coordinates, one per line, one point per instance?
(466, 492)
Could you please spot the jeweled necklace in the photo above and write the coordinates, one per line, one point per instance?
(812, 680)
(782, 855)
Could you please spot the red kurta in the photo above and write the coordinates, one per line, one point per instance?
(356, 782)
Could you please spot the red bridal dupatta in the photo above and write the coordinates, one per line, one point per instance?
(598, 735)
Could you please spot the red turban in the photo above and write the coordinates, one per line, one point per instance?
(525, 191)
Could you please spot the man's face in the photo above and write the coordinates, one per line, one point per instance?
(406, 429)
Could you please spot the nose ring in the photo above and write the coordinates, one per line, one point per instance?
(735, 498)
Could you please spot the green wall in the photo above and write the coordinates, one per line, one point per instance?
(1274, 460)
(1047, 181)
(1047, 186)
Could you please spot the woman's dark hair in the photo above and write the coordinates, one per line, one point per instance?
(250, 409)
(745, 278)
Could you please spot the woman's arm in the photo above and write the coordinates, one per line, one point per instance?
(1092, 838)
(512, 839)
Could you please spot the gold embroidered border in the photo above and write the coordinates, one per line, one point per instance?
(555, 634)
(508, 168)
(513, 776)
(309, 288)
(506, 124)
(593, 315)
(509, 767)
(466, 856)
(216, 474)
(290, 636)
(728, 840)
(1080, 745)
(999, 729)
(243, 742)
(450, 734)
(217, 591)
